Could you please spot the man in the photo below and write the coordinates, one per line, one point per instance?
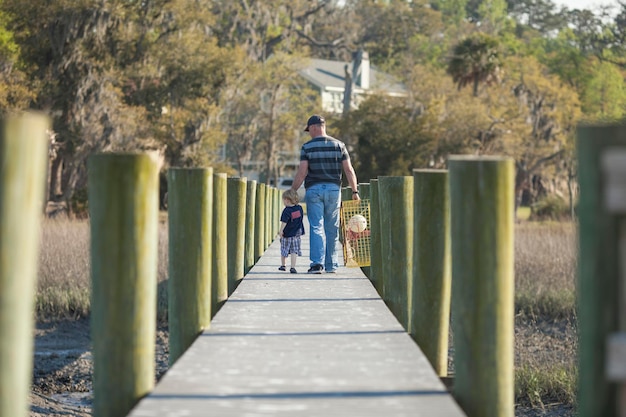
(322, 160)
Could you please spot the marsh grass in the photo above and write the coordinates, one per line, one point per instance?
(545, 264)
(63, 287)
(545, 306)
(545, 269)
(538, 386)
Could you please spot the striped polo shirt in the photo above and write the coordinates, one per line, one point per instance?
(325, 155)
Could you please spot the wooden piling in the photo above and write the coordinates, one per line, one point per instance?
(236, 231)
(364, 193)
(432, 277)
(23, 167)
(482, 226)
(249, 258)
(599, 283)
(219, 286)
(396, 213)
(376, 268)
(190, 227)
(259, 233)
(123, 208)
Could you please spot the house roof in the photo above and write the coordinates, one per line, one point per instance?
(330, 76)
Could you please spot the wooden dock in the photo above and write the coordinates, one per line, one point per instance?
(301, 345)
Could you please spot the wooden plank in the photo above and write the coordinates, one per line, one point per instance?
(301, 345)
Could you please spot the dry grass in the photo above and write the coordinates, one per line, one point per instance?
(64, 270)
(545, 303)
(545, 269)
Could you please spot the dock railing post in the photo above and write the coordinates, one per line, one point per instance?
(236, 231)
(482, 228)
(259, 235)
(249, 258)
(396, 213)
(219, 286)
(376, 268)
(432, 279)
(190, 226)
(601, 153)
(23, 167)
(364, 193)
(123, 209)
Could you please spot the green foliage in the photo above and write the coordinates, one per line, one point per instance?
(475, 60)
(68, 302)
(187, 78)
(558, 305)
(536, 386)
(453, 11)
(550, 208)
(389, 142)
(604, 96)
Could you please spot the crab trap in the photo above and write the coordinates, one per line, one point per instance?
(355, 230)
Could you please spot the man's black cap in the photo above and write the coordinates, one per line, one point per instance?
(314, 120)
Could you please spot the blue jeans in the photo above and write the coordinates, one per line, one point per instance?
(322, 206)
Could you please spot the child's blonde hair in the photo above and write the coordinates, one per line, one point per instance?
(292, 196)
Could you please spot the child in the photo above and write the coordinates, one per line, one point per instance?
(291, 228)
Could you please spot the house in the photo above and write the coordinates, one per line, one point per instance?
(334, 78)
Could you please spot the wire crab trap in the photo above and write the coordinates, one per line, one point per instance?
(355, 229)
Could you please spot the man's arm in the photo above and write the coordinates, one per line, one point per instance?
(351, 177)
(303, 169)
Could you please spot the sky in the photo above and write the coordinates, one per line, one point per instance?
(584, 4)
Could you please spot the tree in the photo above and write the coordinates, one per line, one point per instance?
(492, 15)
(16, 92)
(553, 111)
(285, 100)
(604, 96)
(475, 60)
(263, 111)
(124, 76)
(388, 139)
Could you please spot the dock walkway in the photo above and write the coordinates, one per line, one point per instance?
(301, 345)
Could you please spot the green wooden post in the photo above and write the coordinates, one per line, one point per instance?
(269, 211)
(249, 258)
(396, 213)
(274, 220)
(376, 268)
(190, 227)
(364, 193)
(219, 285)
(268, 215)
(278, 208)
(599, 285)
(23, 167)
(236, 231)
(123, 208)
(482, 227)
(259, 233)
(432, 277)
(346, 194)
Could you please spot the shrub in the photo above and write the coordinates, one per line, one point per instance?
(550, 208)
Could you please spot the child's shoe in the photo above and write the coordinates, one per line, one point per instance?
(282, 268)
(293, 271)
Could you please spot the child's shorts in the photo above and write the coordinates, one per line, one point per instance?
(290, 245)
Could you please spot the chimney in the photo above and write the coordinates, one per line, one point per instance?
(361, 69)
(364, 78)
